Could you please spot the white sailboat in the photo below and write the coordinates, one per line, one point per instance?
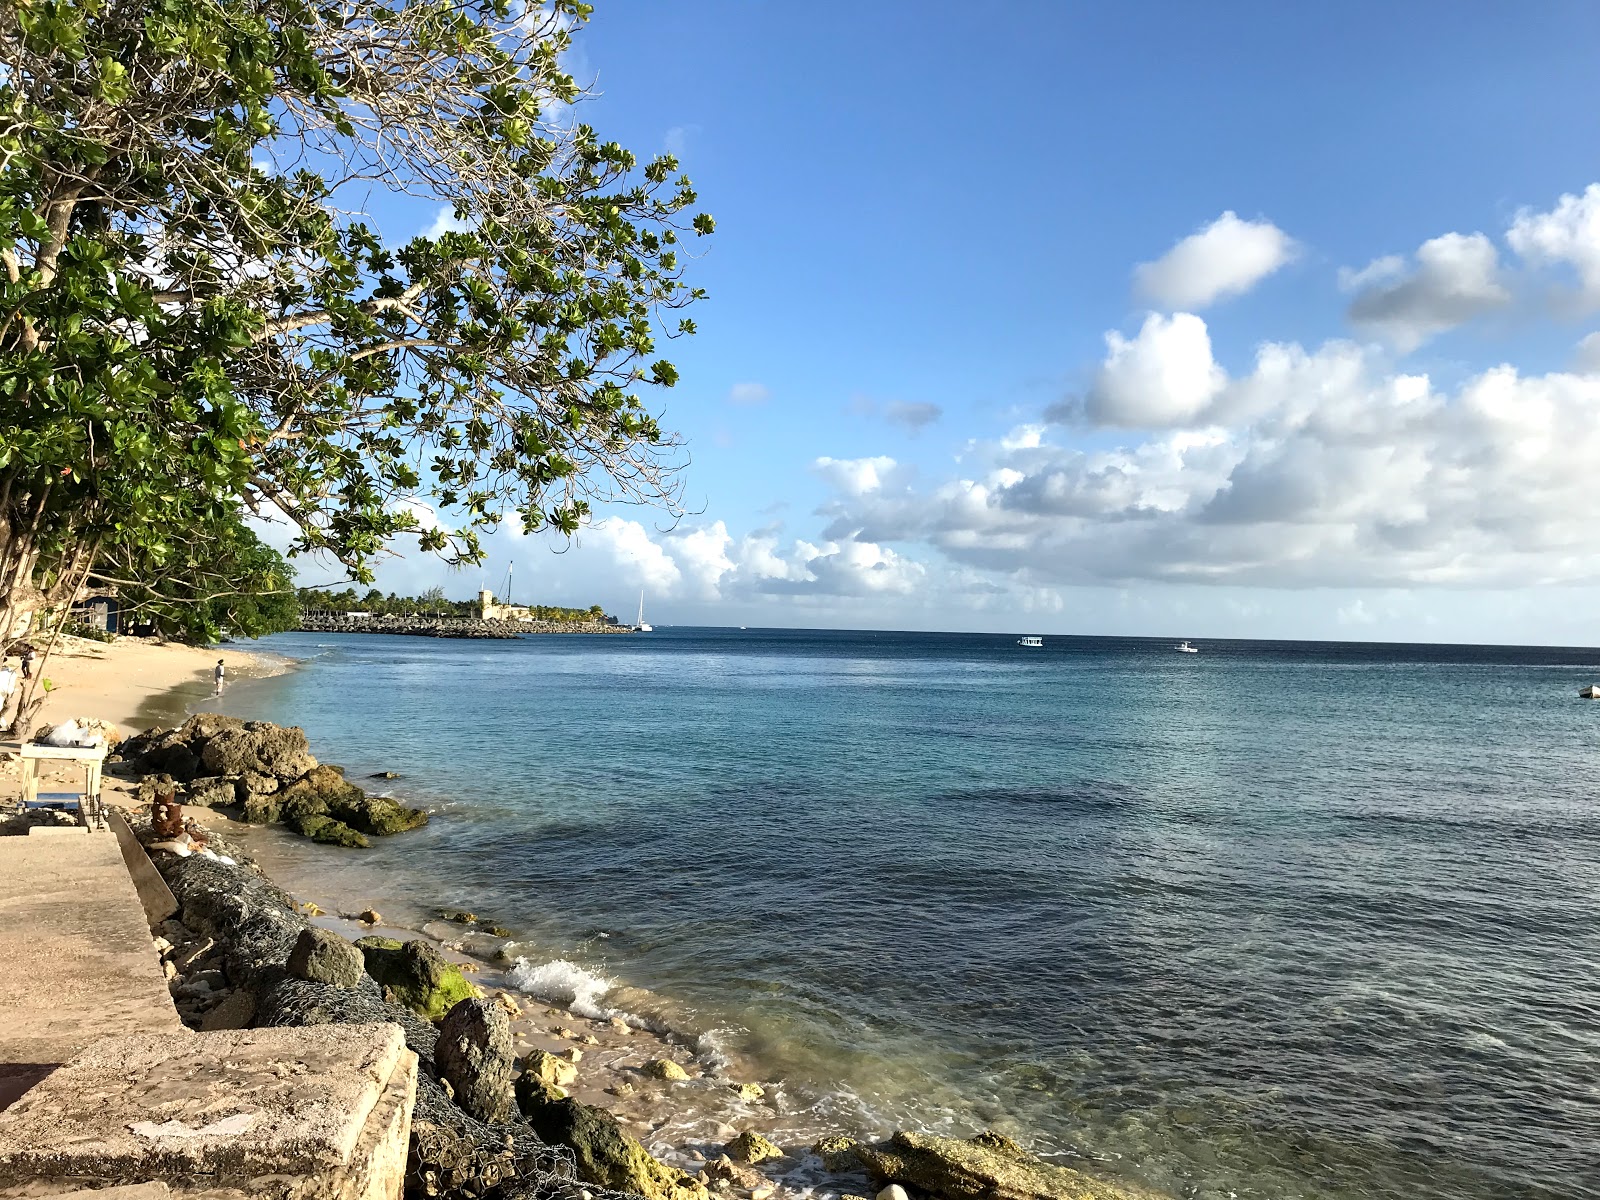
(639, 626)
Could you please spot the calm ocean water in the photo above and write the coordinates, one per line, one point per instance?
(1275, 920)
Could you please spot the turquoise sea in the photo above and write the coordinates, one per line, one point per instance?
(1275, 920)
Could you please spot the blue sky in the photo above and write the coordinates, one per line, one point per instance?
(903, 407)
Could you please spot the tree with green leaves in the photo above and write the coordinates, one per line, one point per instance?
(214, 579)
(195, 314)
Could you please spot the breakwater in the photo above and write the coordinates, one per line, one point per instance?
(447, 627)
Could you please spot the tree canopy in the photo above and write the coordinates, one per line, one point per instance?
(196, 315)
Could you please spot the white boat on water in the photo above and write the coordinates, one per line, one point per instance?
(639, 626)
(1185, 648)
(1032, 642)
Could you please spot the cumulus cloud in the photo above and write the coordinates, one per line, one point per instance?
(749, 394)
(1338, 473)
(1568, 234)
(912, 417)
(1164, 376)
(854, 476)
(1456, 278)
(1226, 258)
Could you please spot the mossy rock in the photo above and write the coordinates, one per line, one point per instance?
(416, 975)
(378, 815)
(325, 791)
(606, 1155)
(330, 832)
(261, 810)
(378, 942)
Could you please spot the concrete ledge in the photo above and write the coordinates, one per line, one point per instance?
(320, 1111)
(154, 893)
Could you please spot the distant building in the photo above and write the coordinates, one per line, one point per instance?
(488, 610)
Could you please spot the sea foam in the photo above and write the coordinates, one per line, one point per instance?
(565, 983)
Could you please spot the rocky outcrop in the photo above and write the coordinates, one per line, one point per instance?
(268, 772)
(416, 975)
(323, 791)
(987, 1167)
(607, 1155)
(474, 1057)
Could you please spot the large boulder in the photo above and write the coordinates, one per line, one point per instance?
(322, 956)
(474, 1057)
(256, 747)
(987, 1167)
(416, 975)
(607, 1155)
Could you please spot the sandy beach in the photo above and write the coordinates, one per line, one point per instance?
(132, 684)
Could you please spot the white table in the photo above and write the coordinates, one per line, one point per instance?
(88, 801)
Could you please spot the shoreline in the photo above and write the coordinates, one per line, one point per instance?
(611, 1038)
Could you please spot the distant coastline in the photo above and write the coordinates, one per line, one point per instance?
(446, 627)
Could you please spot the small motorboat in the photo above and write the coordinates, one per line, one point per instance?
(1033, 643)
(1185, 648)
(1589, 693)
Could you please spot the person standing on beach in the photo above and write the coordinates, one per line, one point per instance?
(27, 663)
(218, 676)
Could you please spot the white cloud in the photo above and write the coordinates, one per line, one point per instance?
(854, 476)
(1333, 472)
(1226, 258)
(1457, 277)
(445, 221)
(1164, 376)
(749, 394)
(1567, 234)
(634, 555)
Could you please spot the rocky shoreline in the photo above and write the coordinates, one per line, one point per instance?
(517, 1097)
(264, 771)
